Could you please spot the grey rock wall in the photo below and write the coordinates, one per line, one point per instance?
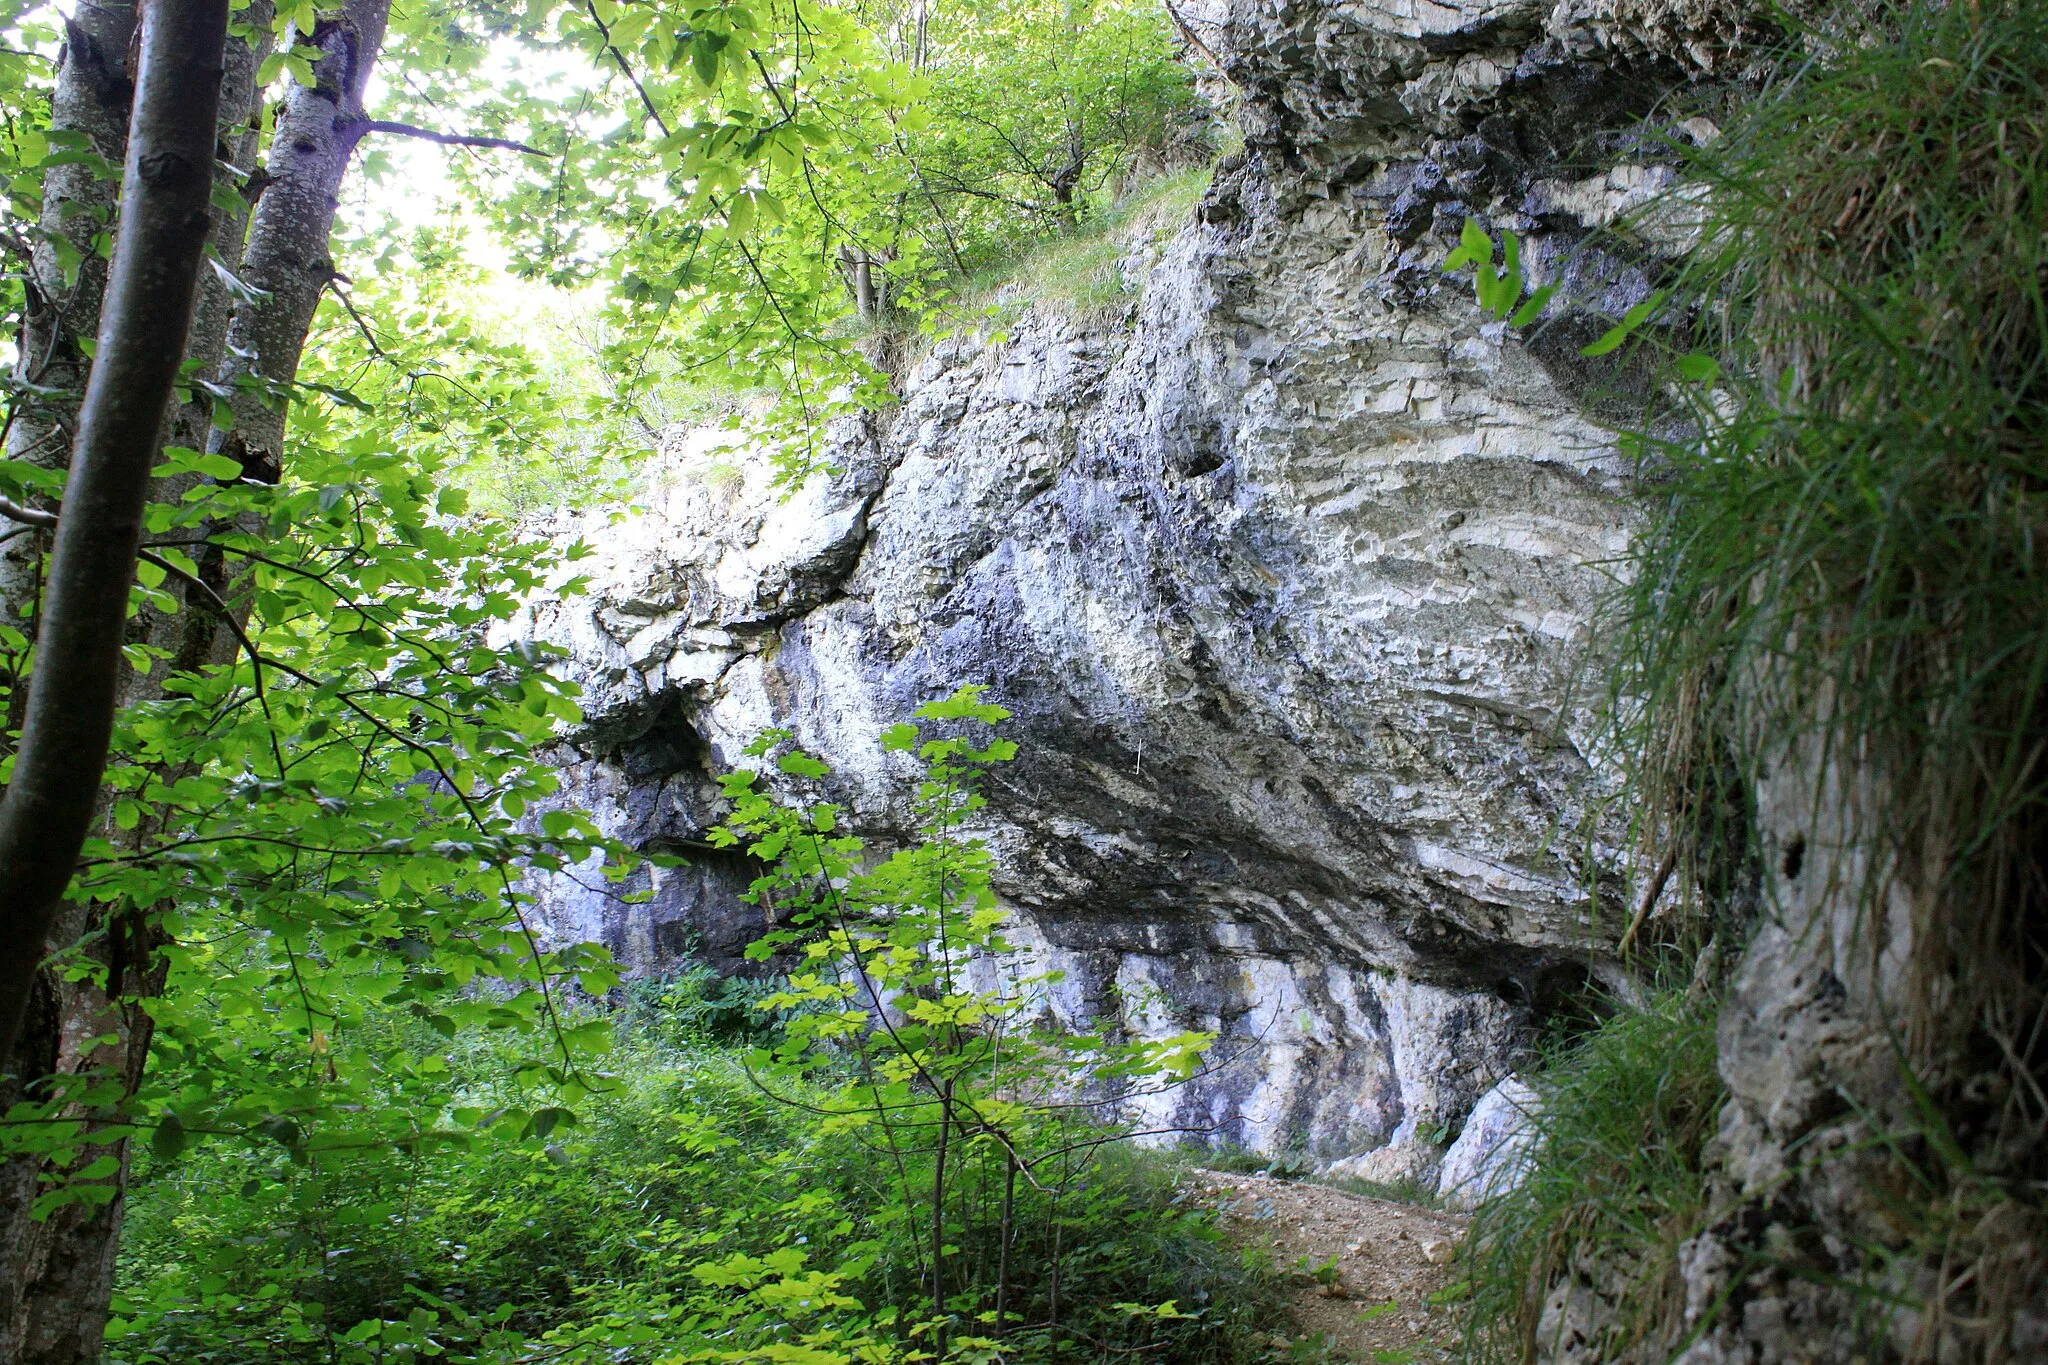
(1287, 576)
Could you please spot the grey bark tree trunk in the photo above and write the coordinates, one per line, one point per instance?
(94, 91)
(81, 623)
(288, 255)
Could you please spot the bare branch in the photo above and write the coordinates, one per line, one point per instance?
(27, 516)
(1648, 902)
(379, 125)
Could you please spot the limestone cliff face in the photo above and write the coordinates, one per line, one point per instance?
(1287, 575)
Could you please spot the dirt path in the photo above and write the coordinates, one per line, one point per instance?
(1372, 1305)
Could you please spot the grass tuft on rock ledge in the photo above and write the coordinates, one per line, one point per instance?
(1617, 1186)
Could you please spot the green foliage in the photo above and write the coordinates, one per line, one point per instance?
(1504, 291)
(1618, 1183)
(319, 824)
(395, 1173)
(327, 828)
(761, 188)
(949, 1058)
(698, 1007)
(1037, 108)
(686, 1215)
(521, 422)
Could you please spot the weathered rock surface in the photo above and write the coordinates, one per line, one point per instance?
(1492, 1154)
(1287, 577)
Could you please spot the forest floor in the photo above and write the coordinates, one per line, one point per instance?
(1363, 1272)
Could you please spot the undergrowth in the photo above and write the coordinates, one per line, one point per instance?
(599, 1234)
(877, 1156)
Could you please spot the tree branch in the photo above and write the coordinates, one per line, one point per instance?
(379, 125)
(27, 516)
(1648, 902)
(646, 100)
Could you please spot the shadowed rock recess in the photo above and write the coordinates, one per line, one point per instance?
(1287, 576)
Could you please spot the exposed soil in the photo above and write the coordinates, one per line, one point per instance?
(1373, 1306)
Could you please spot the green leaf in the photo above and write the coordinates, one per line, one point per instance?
(1487, 286)
(1509, 286)
(69, 260)
(1532, 307)
(214, 465)
(797, 763)
(545, 1121)
(1699, 368)
(227, 199)
(169, 1138)
(1621, 331)
(1475, 241)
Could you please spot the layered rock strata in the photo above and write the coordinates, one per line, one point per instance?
(1287, 575)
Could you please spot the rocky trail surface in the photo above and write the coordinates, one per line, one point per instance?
(1365, 1274)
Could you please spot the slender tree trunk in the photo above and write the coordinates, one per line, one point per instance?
(192, 637)
(288, 255)
(82, 621)
(939, 1208)
(1003, 1238)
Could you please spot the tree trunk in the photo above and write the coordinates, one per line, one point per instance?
(65, 1265)
(92, 98)
(67, 1259)
(288, 256)
(82, 621)
(94, 90)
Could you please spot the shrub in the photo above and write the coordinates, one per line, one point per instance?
(593, 1233)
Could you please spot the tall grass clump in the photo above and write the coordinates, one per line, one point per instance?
(1848, 557)
(1616, 1187)
(1837, 638)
